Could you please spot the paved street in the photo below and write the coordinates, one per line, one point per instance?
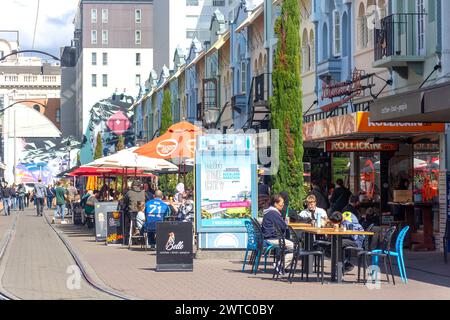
(36, 263)
(132, 272)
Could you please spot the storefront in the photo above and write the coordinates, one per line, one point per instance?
(383, 163)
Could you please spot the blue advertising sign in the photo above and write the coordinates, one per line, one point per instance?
(226, 188)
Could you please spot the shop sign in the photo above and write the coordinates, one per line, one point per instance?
(359, 145)
(426, 147)
(347, 89)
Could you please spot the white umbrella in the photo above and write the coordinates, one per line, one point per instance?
(128, 159)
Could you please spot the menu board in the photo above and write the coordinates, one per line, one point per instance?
(114, 228)
(101, 208)
(174, 246)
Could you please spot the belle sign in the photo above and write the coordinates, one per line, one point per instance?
(359, 145)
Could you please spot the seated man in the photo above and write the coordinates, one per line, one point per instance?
(89, 208)
(272, 218)
(155, 210)
(312, 212)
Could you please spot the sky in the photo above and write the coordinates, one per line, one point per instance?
(54, 28)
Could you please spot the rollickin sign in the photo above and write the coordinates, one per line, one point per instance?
(174, 246)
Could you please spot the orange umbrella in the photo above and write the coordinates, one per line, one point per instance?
(177, 142)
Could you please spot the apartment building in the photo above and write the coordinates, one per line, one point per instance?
(114, 52)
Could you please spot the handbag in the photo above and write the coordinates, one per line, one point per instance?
(54, 202)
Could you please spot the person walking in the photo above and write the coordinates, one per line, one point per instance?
(50, 196)
(61, 194)
(6, 199)
(40, 193)
(13, 194)
(72, 193)
(21, 191)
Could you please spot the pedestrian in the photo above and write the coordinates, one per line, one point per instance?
(27, 199)
(149, 193)
(72, 194)
(50, 196)
(6, 199)
(40, 193)
(340, 196)
(13, 193)
(21, 191)
(132, 197)
(61, 195)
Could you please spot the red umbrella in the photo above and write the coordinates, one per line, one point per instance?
(93, 171)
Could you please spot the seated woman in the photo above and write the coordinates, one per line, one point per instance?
(140, 219)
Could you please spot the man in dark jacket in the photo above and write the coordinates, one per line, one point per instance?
(272, 218)
(322, 201)
(6, 199)
(131, 199)
(352, 206)
(340, 196)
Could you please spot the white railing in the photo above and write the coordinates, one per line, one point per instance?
(30, 80)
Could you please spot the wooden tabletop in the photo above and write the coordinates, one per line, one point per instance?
(330, 231)
(299, 225)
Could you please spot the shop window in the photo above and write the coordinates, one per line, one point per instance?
(426, 176)
(341, 167)
(369, 170)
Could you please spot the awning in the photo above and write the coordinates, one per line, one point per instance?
(427, 105)
(360, 124)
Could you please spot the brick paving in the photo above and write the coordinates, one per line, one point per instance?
(133, 272)
(36, 263)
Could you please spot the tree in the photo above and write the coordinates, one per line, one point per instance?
(167, 182)
(120, 143)
(286, 104)
(99, 147)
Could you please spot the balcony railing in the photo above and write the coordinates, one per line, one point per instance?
(401, 35)
(30, 80)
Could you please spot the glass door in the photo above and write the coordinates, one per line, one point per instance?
(420, 11)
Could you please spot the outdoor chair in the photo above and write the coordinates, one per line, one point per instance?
(376, 254)
(280, 253)
(365, 246)
(299, 252)
(399, 253)
(446, 239)
(142, 238)
(265, 247)
(252, 243)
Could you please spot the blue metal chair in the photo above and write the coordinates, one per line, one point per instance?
(398, 253)
(265, 247)
(252, 242)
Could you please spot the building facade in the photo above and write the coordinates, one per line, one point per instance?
(114, 46)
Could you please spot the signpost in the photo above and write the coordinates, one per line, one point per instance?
(226, 189)
(114, 228)
(174, 246)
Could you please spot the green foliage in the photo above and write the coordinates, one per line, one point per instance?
(99, 147)
(286, 104)
(166, 112)
(168, 183)
(120, 143)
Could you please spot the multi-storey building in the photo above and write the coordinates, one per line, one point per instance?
(114, 52)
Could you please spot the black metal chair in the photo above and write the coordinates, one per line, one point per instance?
(446, 239)
(365, 246)
(385, 247)
(300, 252)
(280, 253)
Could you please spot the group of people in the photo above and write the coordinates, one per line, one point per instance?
(145, 207)
(14, 198)
(342, 209)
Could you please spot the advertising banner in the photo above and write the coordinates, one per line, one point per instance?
(226, 193)
(174, 246)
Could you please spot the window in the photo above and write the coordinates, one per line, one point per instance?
(94, 15)
(138, 59)
(191, 2)
(58, 115)
(337, 33)
(218, 3)
(138, 36)
(105, 15)
(105, 37)
(94, 80)
(105, 58)
(94, 58)
(138, 80)
(94, 37)
(243, 77)
(105, 80)
(138, 15)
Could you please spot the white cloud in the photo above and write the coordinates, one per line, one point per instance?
(54, 28)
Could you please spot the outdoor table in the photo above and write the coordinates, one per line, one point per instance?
(337, 258)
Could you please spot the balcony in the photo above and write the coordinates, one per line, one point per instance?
(240, 110)
(329, 69)
(13, 80)
(259, 114)
(400, 42)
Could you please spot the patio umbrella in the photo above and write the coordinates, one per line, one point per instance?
(86, 171)
(128, 159)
